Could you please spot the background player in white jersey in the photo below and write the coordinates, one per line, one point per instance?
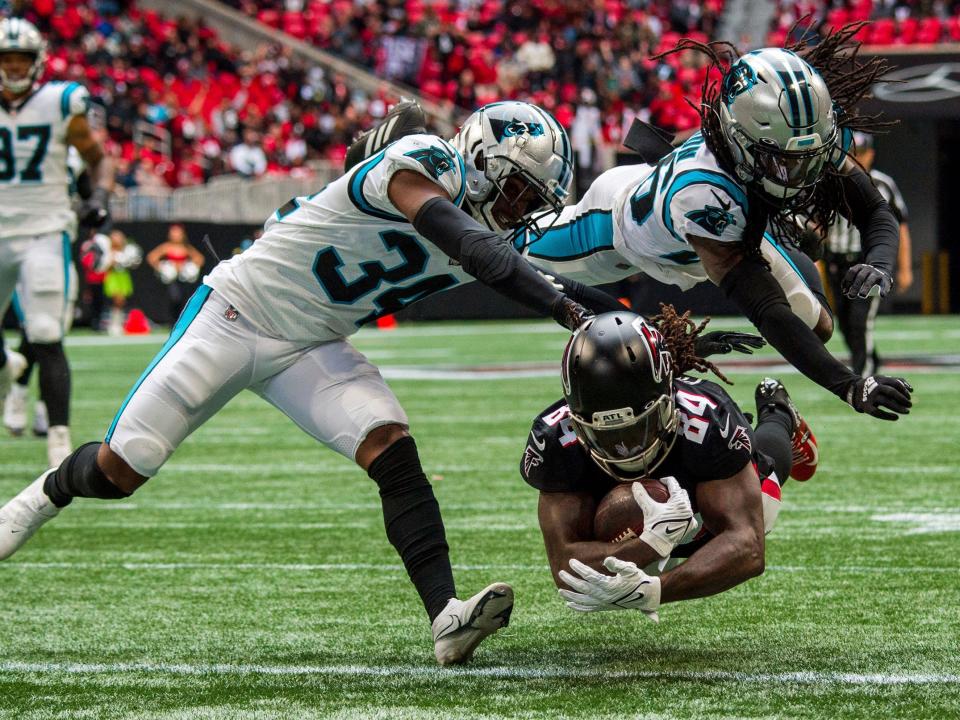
(773, 143)
(843, 249)
(38, 122)
(275, 319)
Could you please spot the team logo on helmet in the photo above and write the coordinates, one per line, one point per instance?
(739, 79)
(661, 363)
(434, 160)
(514, 127)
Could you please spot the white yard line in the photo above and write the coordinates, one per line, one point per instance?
(387, 567)
(810, 677)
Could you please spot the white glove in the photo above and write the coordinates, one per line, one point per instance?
(630, 589)
(665, 524)
(552, 280)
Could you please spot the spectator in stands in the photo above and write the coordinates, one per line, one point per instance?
(248, 157)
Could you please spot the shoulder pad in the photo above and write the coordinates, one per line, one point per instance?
(427, 155)
(74, 100)
(705, 203)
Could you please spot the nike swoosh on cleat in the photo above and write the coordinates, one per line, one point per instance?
(452, 627)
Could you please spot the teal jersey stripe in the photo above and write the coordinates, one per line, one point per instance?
(17, 308)
(188, 315)
(65, 99)
(786, 257)
(585, 235)
(707, 177)
(67, 259)
(355, 189)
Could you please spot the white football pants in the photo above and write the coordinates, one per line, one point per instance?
(330, 390)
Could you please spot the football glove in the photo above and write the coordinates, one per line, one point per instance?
(720, 342)
(665, 524)
(629, 589)
(95, 210)
(863, 281)
(878, 394)
(570, 314)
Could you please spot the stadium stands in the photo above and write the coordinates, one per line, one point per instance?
(181, 106)
(893, 22)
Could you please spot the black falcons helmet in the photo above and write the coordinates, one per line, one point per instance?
(618, 381)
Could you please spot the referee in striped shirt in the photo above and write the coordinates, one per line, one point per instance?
(842, 250)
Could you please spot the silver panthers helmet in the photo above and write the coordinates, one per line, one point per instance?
(519, 164)
(779, 123)
(21, 36)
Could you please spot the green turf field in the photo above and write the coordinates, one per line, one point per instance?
(252, 577)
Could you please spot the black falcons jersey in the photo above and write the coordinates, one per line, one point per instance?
(714, 441)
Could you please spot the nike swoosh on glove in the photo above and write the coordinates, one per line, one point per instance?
(665, 524)
(863, 281)
(629, 589)
(878, 395)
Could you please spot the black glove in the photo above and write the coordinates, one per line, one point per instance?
(862, 278)
(877, 394)
(95, 210)
(721, 342)
(570, 314)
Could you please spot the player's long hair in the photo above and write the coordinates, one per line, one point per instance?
(680, 333)
(848, 78)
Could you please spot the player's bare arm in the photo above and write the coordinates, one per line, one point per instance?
(732, 512)
(566, 521)
(100, 167)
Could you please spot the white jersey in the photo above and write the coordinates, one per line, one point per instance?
(330, 262)
(637, 218)
(34, 180)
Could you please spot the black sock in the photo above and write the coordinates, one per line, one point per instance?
(26, 349)
(414, 526)
(80, 476)
(774, 436)
(54, 381)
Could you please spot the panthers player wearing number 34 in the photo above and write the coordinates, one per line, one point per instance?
(38, 123)
(626, 415)
(402, 225)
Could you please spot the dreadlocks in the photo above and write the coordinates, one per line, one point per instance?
(680, 335)
(848, 78)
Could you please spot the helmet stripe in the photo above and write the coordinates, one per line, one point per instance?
(567, 165)
(792, 97)
(805, 94)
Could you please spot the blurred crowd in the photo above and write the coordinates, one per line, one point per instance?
(892, 22)
(180, 105)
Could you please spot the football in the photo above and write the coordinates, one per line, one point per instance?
(618, 517)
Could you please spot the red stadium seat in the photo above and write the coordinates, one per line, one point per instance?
(269, 17)
(907, 34)
(882, 32)
(930, 31)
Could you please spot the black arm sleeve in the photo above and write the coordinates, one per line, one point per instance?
(485, 255)
(590, 297)
(757, 293)
(873, 217)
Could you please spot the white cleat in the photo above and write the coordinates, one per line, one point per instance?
(16, 364)
(463, 624)
(58, 445)
(41, 425)
(22, 517)
(15, 410)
